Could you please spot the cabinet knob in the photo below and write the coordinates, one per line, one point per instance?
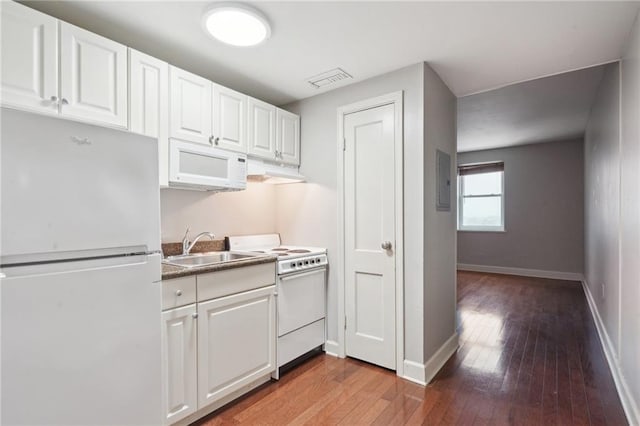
(386, 245)
(216, 140)
(178, 292)
(194, 315)
(64, 101)
(211, 140)
(54, 99)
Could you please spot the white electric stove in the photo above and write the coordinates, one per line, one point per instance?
(301, 292)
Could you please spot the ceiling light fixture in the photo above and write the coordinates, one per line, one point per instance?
(236, 24)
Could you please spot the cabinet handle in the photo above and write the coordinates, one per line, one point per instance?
(194, 315)
(178, 292)
(276, 153)
(64, 101)
(211, 140)
(216, 140)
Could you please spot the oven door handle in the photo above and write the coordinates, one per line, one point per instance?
(295, 274)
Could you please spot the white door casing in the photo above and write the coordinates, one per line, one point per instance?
(29, 58)
(179, 360)
(370, 328)
(93, 79)
(190, 107)
(370, 225)
(229, 119)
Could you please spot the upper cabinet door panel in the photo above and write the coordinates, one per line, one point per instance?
(94, 77)
(229, 119)
(288, 137)
(149, 94)
(149, 104)
(261, 129)
(29, 58)
(190, 100)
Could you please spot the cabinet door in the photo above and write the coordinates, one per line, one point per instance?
(261, 129)
(29, 58)
(236, 342)
(190, 107)
(288, 137)
(93, 77)
(180, 380)
(149, 104)
(229, 119)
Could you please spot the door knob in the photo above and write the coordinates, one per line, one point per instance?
(194, 315)
(386, 245)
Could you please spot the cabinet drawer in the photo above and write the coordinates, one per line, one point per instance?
(236, 280)
(178, 292)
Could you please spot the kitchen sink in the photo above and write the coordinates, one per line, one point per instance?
(203, 259)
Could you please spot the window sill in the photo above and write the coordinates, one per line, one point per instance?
(496, 230)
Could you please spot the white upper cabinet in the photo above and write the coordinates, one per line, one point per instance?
(29, 58)
(229, 119)
(288, 137)
(261, 129)
(190, 111)
(149, 104)
(93, 77)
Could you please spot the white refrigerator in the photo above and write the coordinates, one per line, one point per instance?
(80, 273)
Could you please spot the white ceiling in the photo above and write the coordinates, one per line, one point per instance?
(548, 109)
(474, 46)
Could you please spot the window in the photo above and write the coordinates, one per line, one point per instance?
(480, 197)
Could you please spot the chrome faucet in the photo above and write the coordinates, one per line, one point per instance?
(188, 245)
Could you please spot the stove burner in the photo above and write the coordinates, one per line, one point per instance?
(280, 249)
(258, 251)
(283, 254)
(300, 251)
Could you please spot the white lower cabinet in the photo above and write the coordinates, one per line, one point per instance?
(218, 337)
(179, 357)
(236, 342)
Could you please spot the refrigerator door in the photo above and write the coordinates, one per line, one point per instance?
(73, 190)
(81, 343)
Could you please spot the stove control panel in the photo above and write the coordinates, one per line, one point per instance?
(286, 266)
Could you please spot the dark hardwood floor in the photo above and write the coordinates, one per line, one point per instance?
(529, 355)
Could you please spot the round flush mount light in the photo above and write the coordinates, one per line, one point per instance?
(236, 24)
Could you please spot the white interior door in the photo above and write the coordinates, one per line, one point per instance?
(369, 203)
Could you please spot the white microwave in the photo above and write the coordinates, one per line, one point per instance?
(205, 167)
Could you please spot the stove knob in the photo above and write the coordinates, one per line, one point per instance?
(306, 262)
(299, 263)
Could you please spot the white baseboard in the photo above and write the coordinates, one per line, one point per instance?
(538, 273)
(424, 373)
(628, 404)
(332, 348)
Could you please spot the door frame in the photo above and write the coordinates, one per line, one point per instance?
(396, 99)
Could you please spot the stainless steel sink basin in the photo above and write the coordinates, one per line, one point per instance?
(203, 259)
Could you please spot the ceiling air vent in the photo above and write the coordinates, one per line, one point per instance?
(329, 77)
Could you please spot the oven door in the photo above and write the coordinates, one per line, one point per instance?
(301, 299)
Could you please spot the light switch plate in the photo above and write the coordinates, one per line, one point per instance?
(443, 181)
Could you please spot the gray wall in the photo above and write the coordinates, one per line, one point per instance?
(439, 226)
(543, 209)
(612, 205)
(307, 213)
